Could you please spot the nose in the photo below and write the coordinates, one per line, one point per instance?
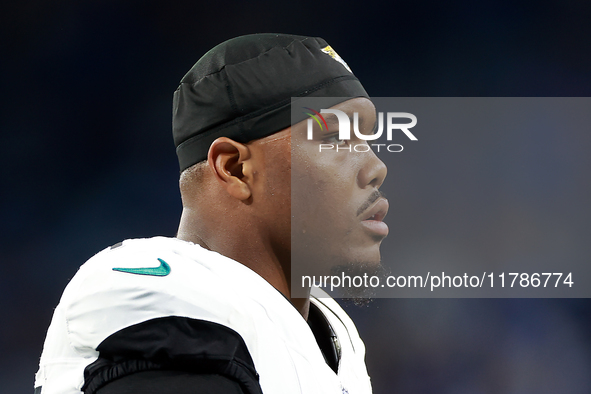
(373, 171)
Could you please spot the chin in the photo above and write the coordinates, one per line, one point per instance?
(358, 268)
(360, 295)
(367, 256)
(319, 261)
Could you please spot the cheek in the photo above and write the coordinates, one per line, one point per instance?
(325, 177)
(321, 201)
(324, 197)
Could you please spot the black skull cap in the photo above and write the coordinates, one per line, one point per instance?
(242, 89)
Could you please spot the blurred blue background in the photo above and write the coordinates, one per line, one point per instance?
(87, 160)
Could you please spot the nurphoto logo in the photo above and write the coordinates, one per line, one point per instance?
(345, 130)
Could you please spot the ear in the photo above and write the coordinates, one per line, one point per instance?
(230, 163)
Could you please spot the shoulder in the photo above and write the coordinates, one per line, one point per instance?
(144, 279)
(151, 300)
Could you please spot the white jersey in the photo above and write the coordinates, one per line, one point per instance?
(144, 280)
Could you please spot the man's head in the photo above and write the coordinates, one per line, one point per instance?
(237, 150)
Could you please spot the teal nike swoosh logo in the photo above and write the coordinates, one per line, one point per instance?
(162, 270)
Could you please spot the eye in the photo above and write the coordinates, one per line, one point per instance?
(334, 139)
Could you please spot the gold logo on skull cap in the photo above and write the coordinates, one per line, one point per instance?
(332, 53)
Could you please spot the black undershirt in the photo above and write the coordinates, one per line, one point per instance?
(192, 382)
(172, 382)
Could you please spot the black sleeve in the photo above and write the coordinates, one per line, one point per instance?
(172, 350)
(171, 382)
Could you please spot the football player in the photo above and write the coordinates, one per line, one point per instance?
(212, 311)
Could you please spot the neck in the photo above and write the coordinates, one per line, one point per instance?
(248, 248)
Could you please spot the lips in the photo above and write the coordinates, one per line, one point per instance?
(377, 211)
(373, 216)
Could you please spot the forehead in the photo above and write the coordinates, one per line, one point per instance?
(361, 105)
(281, 141)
